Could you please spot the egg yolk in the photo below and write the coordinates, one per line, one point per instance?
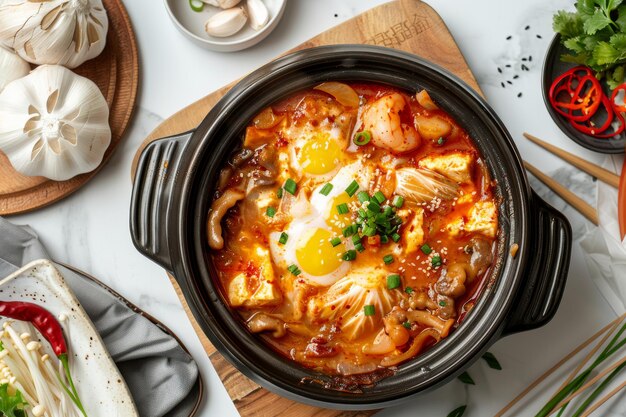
(335, 220)
(319, 155)
(315, 255)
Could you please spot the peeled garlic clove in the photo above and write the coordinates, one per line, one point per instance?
(63, 32)
(259, 15)
(12, 67)
(226, 23)
(53, 123)
(223, 4)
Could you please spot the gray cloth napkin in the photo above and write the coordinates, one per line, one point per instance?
(159, 373)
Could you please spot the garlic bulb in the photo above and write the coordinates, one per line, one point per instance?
(226, 23)
(12, 67)
(259, 15)
(63, 32)
(223, 4)
(53, 123)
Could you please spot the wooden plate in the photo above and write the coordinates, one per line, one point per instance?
(116, 72)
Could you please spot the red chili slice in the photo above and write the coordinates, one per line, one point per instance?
(619, 107)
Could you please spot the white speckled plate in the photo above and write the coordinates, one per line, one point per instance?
(100, 384)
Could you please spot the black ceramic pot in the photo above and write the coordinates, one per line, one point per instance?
(175, 181)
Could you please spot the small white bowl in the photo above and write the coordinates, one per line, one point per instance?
(191, 24)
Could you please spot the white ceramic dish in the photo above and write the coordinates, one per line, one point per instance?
(98, 381)
(191, 24)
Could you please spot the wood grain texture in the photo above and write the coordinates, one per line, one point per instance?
(116, 72)
(407, 25)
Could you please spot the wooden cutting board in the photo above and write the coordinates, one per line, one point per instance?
(408, 25)
(116, 72)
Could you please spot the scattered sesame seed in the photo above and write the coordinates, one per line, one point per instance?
(500, 70)
(509, 82)
(527, 27)
(515, 77)
(508, 65)
(508, 38)
(502, 84)
(539, 37)
(524, 59)
(530, 57)
(519, 94)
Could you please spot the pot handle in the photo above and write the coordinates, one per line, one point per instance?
(550, 244)
(151, 198)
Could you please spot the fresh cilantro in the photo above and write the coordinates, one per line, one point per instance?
(458, 412)
(595, 35)
(11, 405)
(466, 379)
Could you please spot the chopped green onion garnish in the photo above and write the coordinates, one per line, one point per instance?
(407, 325)
(388, 259)
(352, 188)
(393, 281)
(436, 261)
(283, 238)
(441, 141)
(408, 290)
(395, 237)
(290, 186)
(398, 201)
(326, 189)
(363, 196)
(442, 303)
(426, 249)
(350, 230)
(373, 207)
(342, 208)
(369, 231)
(384, 239)
(196, 5)
(359, 246)
(356, 239)
(362, 213)
(379, 196)
(369, 310)
(293, 268)
(270, 211)
(335, 241)
(349, 255)
(362, 138)
(279, 192)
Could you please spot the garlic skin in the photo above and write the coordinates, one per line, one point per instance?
(54, 123)
(12, 67)
(222, 4)
(63, 32)
(226, 23)
(259, 15)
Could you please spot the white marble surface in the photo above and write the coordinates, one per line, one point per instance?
(90, 228)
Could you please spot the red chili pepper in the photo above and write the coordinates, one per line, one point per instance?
(41, 318)
(51, 330)
(619, 107)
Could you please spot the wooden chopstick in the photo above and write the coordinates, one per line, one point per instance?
(600, 173)
(571, 198)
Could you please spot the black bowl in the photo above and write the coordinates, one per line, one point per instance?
(552, 68)
(176, 177)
